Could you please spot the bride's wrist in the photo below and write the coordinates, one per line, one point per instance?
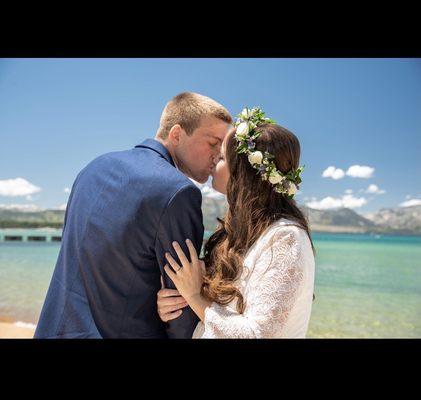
(194, 298)
(198, 304)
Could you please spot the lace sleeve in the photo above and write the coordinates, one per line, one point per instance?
(270, 293)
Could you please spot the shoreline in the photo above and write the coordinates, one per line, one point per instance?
(357, 230)
(16, 330)
(315, 228)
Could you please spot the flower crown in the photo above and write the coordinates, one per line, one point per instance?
(246, 132)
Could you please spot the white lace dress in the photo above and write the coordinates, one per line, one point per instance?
(277, 284)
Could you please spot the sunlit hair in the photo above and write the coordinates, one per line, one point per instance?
(187, 109)
(253, 206)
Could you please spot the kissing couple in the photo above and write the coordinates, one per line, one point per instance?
(130, 262)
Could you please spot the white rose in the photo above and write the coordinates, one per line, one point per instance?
(276, 178)
(292, 188)
(242, 129)
(256, 157)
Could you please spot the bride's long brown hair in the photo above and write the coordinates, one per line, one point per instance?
(253, 206)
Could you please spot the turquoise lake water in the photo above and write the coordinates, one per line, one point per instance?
(366, 286)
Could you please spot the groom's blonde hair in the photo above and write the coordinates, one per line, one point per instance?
(187, 110)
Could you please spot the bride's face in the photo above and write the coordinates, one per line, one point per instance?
(220, 174)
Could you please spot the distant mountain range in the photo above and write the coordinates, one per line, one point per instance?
(31, 219)
(406, 219)
(400, 220)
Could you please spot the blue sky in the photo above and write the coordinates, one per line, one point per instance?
(56, 115)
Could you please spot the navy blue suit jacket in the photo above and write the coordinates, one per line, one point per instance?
(123, 213)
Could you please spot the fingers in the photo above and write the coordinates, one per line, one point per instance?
(168, 293)
(180, 253)
(170, 316)
(193, 252)
(169, 301)
(162, 282)
(169, 309)
(172, 262)
(170, 273)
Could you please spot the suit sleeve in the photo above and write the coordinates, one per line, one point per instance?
(182, 219)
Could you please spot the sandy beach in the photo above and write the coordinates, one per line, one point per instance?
(11, 331)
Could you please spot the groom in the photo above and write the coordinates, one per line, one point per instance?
(124, 211)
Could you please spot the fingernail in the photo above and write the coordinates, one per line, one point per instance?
(187, 240)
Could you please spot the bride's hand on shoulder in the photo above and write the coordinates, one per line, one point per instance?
(187, 277)
(170, 303)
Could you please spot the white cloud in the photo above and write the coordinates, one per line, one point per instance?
(20, 207)
(410, 203)
(374, 189)
(325, 204)
(360, 171)
(334, 173)
(350, 201)
(348, 191)
(66, 190)
(17, 187)
(329, 202)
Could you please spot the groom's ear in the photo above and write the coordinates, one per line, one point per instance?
(174, 134)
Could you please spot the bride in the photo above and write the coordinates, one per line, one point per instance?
(257, 276)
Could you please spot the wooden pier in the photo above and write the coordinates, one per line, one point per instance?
(22, 236)
(13, 238)
(36, 239)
